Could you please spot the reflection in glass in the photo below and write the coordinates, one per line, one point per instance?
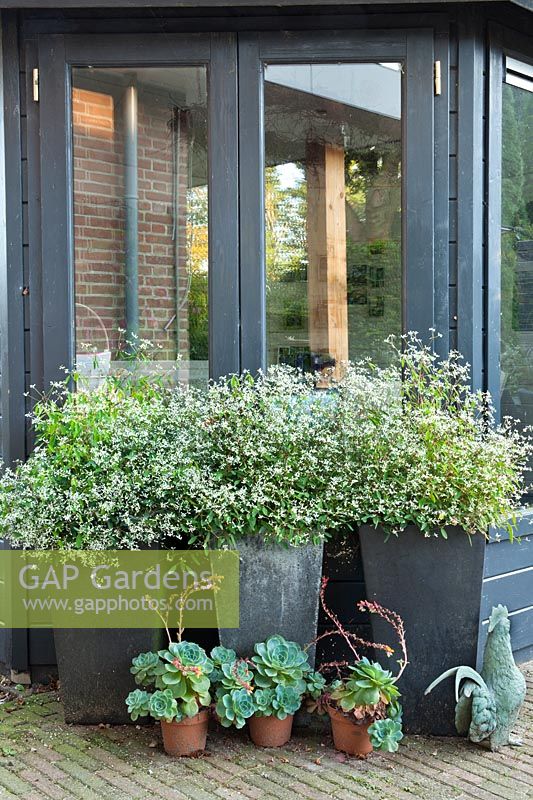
(140, 218)
(517, 256)
(333, 211)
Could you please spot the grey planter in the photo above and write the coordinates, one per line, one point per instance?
(435, 585)
(94, 671)
(279, 593)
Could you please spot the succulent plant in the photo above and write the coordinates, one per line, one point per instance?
(286, 701)
(279, 702)
(146, 667)
(367, 685)
(385, 734)
(234, 708)
(263, 702)
(163, 705)
(394, 711)
(219, 656)
(235, 675)
(278, 661)
(186, 672)
(315, 685)
(180, 676)
(138, 704)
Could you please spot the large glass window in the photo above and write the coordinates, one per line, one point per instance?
(141, 218)
(333, 159)
(517, 245)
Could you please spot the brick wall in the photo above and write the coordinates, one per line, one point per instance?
(163, 149)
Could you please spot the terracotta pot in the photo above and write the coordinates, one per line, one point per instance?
(185, 737)
(349, 736)
(270, 731)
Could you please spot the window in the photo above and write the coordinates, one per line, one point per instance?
(517, 244)
(141, 218)
(333, 178)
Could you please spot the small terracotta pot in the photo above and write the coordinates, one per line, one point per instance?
(185, 737)
(270, 731)
(349, 736)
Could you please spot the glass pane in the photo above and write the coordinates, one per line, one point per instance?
(333, 154)
(517, 256)
(141, 219)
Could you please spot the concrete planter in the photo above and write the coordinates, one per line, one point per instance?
(279, 589)
(94, 671)
(435, 585)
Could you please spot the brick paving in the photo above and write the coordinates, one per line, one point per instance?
(41, 758)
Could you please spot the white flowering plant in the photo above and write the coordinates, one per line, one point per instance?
(99, 476)
(265, 460)
(423, 449)
(135, 462)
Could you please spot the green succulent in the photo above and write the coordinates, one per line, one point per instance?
(189, 654)
(263, 702)
(385, 734)
(146, 667)
(315, 685)
(186, 672)
(235, 675)
(367, 685)
(394, 711)
(180, 676)
(163, 705)
(219, 656)
(286, 701)
(278, 661)
(234, 708)
(138, 704)
(280, 702)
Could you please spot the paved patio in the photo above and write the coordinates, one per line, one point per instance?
(41, 757)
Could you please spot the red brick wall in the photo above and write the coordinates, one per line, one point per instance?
(99, 221)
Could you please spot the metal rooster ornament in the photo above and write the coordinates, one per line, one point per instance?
(488, 704)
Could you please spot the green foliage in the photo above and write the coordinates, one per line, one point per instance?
(162, 705)
(280, 702)
(273, 682)
(187, 674)
(198, 317)
(145, 667)
(138, 703)
(262, 460)
(366, 685)
(219, 656)
(180, 675)
(99, 476)
(132, 463)
(234, 675)
(234, 708)
(422, 449)
(385, 734)
(315, 685)
(278, 661)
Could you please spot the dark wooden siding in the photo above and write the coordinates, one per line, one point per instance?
(459, 215)
(509, 581)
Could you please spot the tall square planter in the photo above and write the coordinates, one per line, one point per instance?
(278, 593)
(435, 585)
(94, 671)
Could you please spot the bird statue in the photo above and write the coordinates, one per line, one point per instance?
(488, 704)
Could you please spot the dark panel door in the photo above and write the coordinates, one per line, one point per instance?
(336, 193)
(139, 202)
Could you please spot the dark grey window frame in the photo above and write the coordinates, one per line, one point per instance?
(415, 49)
(503, 43)
(57, 54)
